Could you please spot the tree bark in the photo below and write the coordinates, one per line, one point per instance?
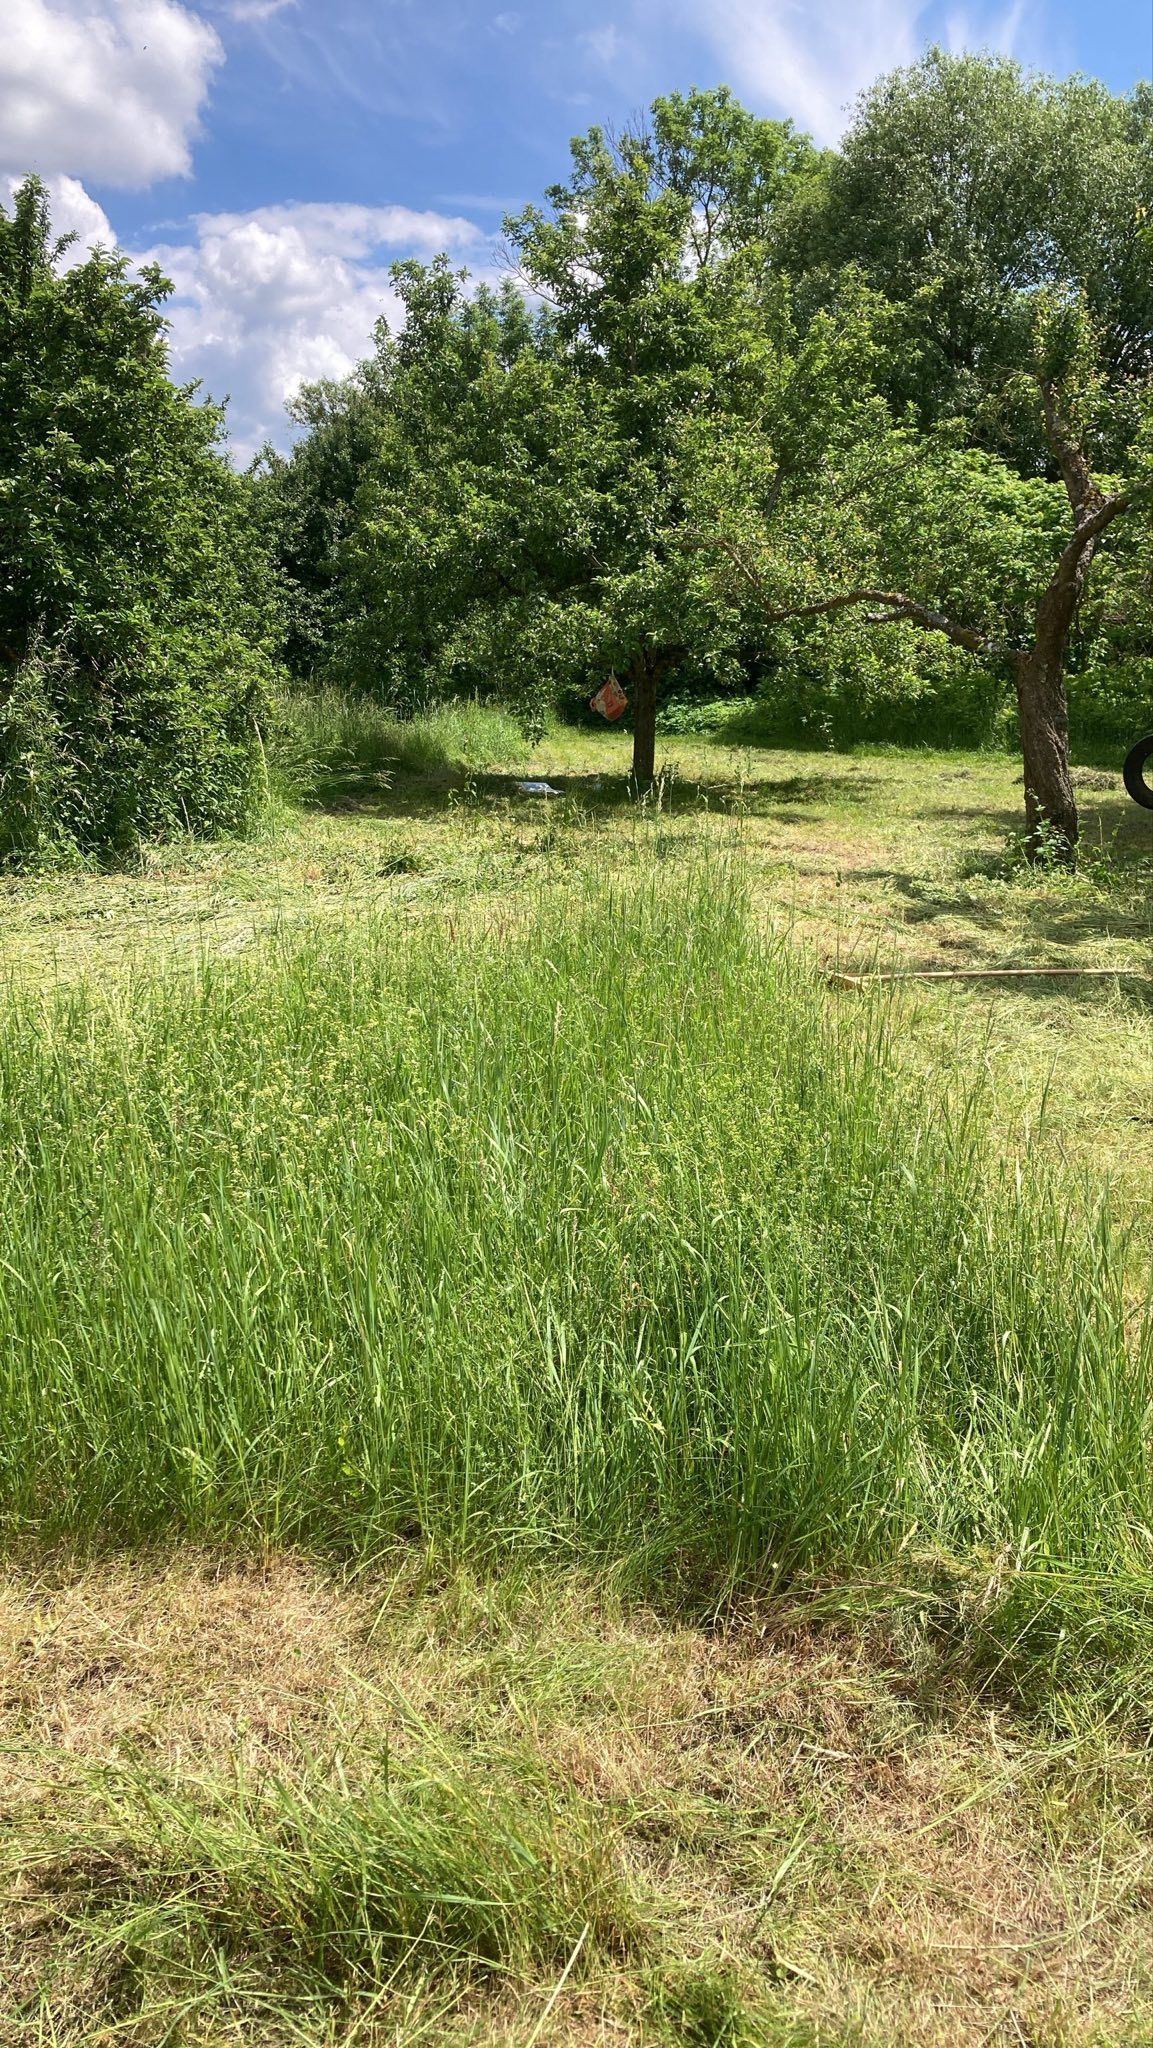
(643, 695)
(1050, 807)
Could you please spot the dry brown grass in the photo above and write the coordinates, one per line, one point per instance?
(789, 1808)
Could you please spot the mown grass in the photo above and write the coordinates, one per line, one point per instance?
(606, 1237)
(267, 1802)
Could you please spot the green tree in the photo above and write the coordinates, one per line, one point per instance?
(134, 606)
(964, 186)
(932, 416)
(307, 500)
(927, 531)
(1004, 219)
(524, 522)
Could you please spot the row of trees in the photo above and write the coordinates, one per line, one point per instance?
(736, 394)
(737, 404)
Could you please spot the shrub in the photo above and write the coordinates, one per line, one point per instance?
(841, 682)
(87, 769)
(136, 604)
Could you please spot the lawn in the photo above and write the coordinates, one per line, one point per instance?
(568, 1477)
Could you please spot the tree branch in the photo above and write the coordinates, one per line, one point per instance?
(1058, 603)
(1067, 452)
(1095, 522)
(897, 605)
(775, 489)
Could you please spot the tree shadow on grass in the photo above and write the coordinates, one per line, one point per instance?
(1037, 914)
(401, 792)
(787, 790)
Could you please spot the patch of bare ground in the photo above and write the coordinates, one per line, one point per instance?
(784, 1842)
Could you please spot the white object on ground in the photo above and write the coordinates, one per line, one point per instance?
(535, 789)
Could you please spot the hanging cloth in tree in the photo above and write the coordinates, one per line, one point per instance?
(610, 700)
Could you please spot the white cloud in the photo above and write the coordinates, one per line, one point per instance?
(110, 90)
(256, 10)
(603, 43)
(74, 212)
(1001, 32)
(810, 58)
(268, 300)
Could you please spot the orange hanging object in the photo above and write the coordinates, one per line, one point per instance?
(610, 700)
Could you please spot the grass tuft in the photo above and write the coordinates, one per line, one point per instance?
(174, 1895)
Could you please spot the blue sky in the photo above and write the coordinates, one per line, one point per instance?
(277, 155)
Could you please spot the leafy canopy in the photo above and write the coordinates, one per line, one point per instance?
(530, 512)
(134, 608)
(964, 187)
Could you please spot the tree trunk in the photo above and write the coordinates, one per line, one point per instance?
(1050, 806)
(643, 693)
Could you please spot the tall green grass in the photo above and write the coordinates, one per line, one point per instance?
(614, 1236)
(330, 734)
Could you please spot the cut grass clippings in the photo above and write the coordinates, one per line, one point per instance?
(276, 1804)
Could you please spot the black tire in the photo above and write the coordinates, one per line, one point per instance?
(1133, 771)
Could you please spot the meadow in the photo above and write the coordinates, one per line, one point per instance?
(567, 1476)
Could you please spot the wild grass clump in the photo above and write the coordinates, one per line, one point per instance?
(243, 1892)
(614, 1238)
(330, 734)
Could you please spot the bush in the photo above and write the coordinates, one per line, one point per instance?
(136, 603)
(88, 770)
(843, 682)
(1111, 700)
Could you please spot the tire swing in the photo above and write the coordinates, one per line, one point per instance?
(1134, 772)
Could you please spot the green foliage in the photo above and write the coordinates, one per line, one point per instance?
(764, 377)
(466, 535)
(1111, 684)
(886, 508)
(693, 2006)
(526, 515)
(134, 608)
(840, 682)
(173, 748)
(963, 187)
(307, 505)
(613, 1241)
